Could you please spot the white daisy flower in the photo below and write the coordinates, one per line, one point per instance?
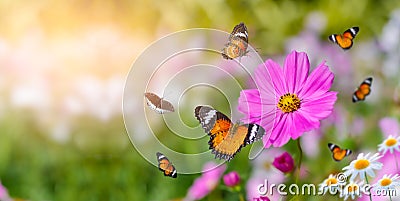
(363, 165)
(387, 182)
(390, 144)
(332, 184)
(352, 190)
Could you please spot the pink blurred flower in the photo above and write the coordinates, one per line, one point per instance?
(231, 179)
(263, 171)
(294, 100)
(389, 126)
(284, 162)
(207, 182)
(4, 193)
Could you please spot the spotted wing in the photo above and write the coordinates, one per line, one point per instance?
(345, 40)
(165, 165)
(211, 119)
(158, 104)
(363, 90)
(226, 146)
(237, 43)
(337, 153)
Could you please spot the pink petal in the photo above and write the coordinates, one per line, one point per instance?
(264, 81)
(319, 82)
(320, 108)
(250, 102)
(280, 135)
(295, 70)
(277, 73)
(303, 124)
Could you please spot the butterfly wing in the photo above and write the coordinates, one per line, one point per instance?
(166, 106)
(208, 117)
(345, 40)
(363, 90)
(165, 165)
(235, 139)
(237, 43)
(158, 104)
(337, 153)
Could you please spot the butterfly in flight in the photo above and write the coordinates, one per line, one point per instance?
(337, 153)
(158, 104)
(226, 138)
(363, 90)
(166, 166)
(237, 43)
(345, 40)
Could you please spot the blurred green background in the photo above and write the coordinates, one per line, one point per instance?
(62, 71)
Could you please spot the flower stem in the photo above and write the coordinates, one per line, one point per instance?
(300, 159)
(241, 198)
(390, 197)
(366, 179)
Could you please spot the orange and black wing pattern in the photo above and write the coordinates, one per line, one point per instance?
(363, 90)
(226, 139)
(337, 153)
(237, 43)
(166, 166)
(345, 40)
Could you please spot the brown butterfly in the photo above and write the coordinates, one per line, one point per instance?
(345, 40)
(363, 90)
(337, 153)
(158, 104)
(237, 43)
(166, 166)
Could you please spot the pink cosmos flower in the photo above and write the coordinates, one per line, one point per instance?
(292, 99)
(207, 182)
(284, 162)
(231, 179)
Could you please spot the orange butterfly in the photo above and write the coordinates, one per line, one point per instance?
(165, 165)
(226, 139)
(237, 43)
(337, 153)
(345, 40)
(363, 90)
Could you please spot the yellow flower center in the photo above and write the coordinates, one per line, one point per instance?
(352, 188)
(331, 181)
(361, 164)
(267, 165)
(289, 103)
(386, 182)
(390, 142)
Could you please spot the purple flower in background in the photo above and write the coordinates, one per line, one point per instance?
(389, 126)
(292, 99)
(284, 163)
(207, 182)
(231, 179)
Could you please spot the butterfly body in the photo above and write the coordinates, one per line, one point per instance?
(165, 165)
(345, 40)
(363, 90)
(158, 104)
(237, 43)
(337, 153)
(226, 138)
